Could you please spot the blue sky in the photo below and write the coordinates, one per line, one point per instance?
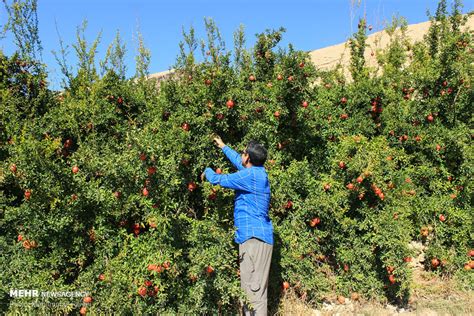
(310, 24)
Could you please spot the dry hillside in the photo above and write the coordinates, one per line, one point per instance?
(328, 57)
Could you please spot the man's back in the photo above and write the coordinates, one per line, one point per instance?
(252, 199)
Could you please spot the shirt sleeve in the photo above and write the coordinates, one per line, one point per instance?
(240, 180)
(234, 157)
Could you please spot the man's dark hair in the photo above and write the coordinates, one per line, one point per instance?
(257, 153)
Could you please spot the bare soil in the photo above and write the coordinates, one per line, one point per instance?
(431, 295)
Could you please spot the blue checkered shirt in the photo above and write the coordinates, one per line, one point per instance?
(252, 198)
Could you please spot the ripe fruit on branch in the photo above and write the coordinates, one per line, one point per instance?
(219, 171)
(252, 78)
(209, 270)
(442, 218)
(26, 244)
(13, 168)
(192, 186)
(392, 279)
(327, 186)
(230, 104)
(75, 169)
(286, 285)
(343, 100)
(276, 114)
(153, 292)
(185, 127)
(403, 138)
(289, 205)
(101, 277)
(142, 291)
(304, 104)
(27, 194)
(314, 222)
(350, 186)
(434, 263)
(342, 164)
(145, 191)
(151, 170)
(429, 118)
(87, 299)
(359, 179)
(136, 229)
(279, 77)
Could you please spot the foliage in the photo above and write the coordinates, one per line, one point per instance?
(100, 183)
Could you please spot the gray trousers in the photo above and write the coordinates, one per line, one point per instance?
(255, 257)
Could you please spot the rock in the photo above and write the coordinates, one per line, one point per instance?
(391, 308)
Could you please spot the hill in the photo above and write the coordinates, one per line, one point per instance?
(328, 57)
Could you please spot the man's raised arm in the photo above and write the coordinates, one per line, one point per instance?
(231, 154)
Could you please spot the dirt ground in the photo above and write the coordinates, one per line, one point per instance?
(431, 296)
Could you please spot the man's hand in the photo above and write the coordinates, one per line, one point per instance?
(218, 141)
(203, 176)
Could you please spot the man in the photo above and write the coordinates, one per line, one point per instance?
(254, 232)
